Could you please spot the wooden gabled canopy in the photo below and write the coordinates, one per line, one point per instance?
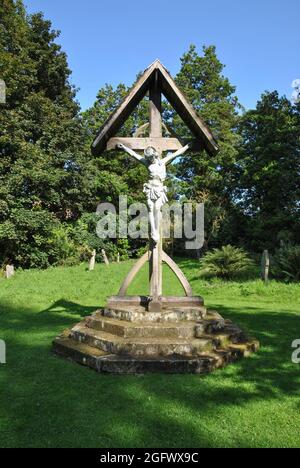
(155, 77)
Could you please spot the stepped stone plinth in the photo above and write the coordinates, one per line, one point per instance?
(130, 339)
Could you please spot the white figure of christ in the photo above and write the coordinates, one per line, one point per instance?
(155, 190)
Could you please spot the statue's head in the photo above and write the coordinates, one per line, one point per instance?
(150, 153)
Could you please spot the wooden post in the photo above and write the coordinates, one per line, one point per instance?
(92, 261)
(265, 265)
(155, 266)
(118, 258)
(155, 122)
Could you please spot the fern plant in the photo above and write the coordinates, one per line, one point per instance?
(286, 263)
(227, 262)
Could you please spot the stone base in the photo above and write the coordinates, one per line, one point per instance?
(131, 340)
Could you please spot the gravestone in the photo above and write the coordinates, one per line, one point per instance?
(154, 333)
(265, 265)
(2, 352)
(105, 259)
(92, 261)
(9, 271)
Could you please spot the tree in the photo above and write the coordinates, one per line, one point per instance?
(42, 166)
(268, 171)
(205, 178)
(112, 180)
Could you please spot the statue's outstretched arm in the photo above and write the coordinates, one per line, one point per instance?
(131, 153)
(172, 156)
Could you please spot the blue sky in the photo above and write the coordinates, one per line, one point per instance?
(110, 41)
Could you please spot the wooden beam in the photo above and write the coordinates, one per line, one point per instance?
(185, 110)
(155, 275)
(155, 108)
(155, 131)
(133, 272)
(139, 144)
(179, 273)
(169, 302)
(139, 131)
(157, 80)
(116, 120)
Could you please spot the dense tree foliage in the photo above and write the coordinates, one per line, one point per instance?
(268, 172)
(112, 179)
(43, 175)
(50, 184)
(205, 178)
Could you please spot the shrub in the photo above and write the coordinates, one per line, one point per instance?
(142, 250)
(85, 238)
(286, 263)
(25, 239)
(227, 262)
(61, 248)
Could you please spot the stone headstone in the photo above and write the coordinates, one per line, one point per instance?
(2, 352)
(10, 271)
(92, 261)
(106, 261)
(265, 265)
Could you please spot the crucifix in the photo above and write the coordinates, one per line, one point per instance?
(156, 333)
(149, 151)
(155, 190)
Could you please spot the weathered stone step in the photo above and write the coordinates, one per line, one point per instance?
(141, 329)
(228, 335)
(139, 346)
(168, 365)
(113, 349)
(111, 363)
(244, 349)
(139, 314)
(78, 352)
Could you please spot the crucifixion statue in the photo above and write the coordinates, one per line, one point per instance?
(149, 151)
(155, 189)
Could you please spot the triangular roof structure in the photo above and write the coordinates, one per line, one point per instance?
(156, 71)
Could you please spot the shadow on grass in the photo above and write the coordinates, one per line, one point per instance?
(47, 401)
(62, 313)
(272, 366)
(67, 307)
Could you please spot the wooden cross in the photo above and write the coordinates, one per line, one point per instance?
(156, 80)
(155, 138)
(155, 260)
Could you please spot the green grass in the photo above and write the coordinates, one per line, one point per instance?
(46, 401)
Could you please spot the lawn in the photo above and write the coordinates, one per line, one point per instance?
(46, 401)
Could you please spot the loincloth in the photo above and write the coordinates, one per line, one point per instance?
(155, 190)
